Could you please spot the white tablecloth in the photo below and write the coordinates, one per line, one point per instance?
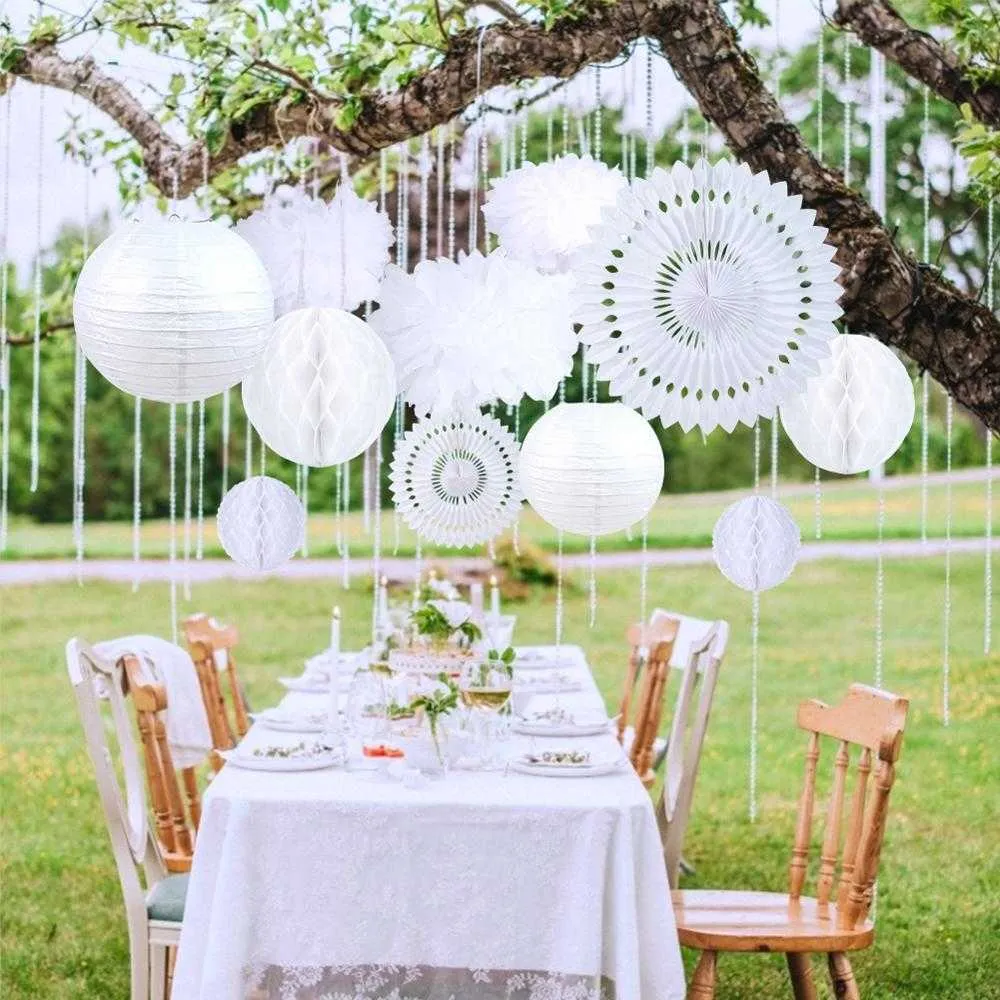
(327, 885)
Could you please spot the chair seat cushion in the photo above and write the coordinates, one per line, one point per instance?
(762, 921)
(166, 899)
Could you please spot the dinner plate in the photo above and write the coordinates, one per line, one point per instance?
(311, 684)
(594, 769)
(543, 658)
(319, 664)
(300, 762)
(543, 727)
(292, 722)
(547, 685)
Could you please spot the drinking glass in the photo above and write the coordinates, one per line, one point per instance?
(484, 688)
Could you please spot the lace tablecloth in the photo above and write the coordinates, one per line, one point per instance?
(327, 885)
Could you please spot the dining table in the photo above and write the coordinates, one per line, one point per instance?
(344, 884)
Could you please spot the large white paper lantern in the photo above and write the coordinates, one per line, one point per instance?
(455, 480)
(756, 543)
(468, 333)
(591, 468)
(707, 296)
(173, 311)
(261, 523)
(853, 415)
(323, 390)
(542, 212)
(320, 253)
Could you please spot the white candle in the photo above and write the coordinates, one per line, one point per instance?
(334, 707)
(494, 597)
(476, 600)
(383, 602)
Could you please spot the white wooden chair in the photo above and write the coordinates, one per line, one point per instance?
(153, 911)
(699, 648)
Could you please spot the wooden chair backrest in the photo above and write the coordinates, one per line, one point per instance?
(175, 826)
(874, 721)
(698, 652)
(639, 637)
(132, 842)
(212, 647)
(649, 709)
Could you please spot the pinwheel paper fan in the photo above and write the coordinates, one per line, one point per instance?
(455, 481)
(317, 253)
(708, 296)
(542, 212)
(482, 329)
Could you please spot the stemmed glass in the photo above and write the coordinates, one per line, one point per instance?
(484, 688)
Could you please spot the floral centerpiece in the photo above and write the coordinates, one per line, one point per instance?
(443, 636)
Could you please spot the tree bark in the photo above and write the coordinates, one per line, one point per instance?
(878, 24)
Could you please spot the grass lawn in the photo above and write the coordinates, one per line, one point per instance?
(938, 919)
(849, 511)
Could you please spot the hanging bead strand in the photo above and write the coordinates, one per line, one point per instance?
(172, 541)
(200, 532)
(136, 492)
(80, 403)
(188, 493)
(925, 252)
(4, 345)
(946, 657)
(36, 342)
(754, 651)
(988, 561)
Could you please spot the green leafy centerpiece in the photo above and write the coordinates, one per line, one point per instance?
(443, 636)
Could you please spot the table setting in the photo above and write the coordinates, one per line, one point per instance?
(405, 836)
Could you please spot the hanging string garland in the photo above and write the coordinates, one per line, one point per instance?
(855, 414)
(467, 333)
(925, 253)
(172, 524)
(542, 213)
(324, 388)
(260, 523)
(173, 311)
(591, 468)
(455, 480)
(318, 253)
(671, 302)
(946, 655)
(80, 404)
(4, 345)
(988, 532)
(200, 532)
(188, 494)
(36, 340)
(136, 491)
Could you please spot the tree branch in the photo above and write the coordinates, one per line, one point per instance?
(887, 293)
(878, 24)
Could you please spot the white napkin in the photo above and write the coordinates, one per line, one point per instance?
(185, 719)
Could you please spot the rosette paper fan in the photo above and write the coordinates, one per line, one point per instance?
(467, 333)
(853, 415)
(756, 543)
(455, 481)
(707, 296)
(542, 212)
(317, 253)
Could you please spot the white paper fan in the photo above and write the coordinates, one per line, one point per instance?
(455, 481)
(467, 333)
(302, 242)
(542, 212)
(708, 296)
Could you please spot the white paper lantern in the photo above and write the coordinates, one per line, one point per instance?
(261, 523)
(707, 296)
(173, 311)
(856, 412)
(464, 334)
(455, 481)
(591, 468)
(756, 543)
(323, 390)
(317, 253)
(542, 212)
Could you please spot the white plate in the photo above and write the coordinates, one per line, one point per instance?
(310, 684)
(592, 770)
(312, 762)
(543, 658)
(548, 687)
(320, 663)
(291, 722)
(530, 727)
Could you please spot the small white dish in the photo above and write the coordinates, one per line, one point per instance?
(545, 727)
(284, 721)
(591, 769)
(313, 761)
(312, 684)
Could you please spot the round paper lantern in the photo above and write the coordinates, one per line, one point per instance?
(173, 311)
(756, 543)
(261, 523)
(591, 468)
(455, 481)
(707, 296)
(856, 412)
(323, 390)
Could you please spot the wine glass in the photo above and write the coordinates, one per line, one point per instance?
(484, 687)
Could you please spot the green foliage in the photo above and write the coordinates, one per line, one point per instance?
(432, 624)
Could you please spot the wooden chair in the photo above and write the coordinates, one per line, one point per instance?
(698, 651)
(212, 647)
(649, 709)
(836, 920)
(639, 638)
(154, 900)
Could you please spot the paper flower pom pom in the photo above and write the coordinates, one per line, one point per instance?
(542, 213)
(261, 523)
(455, 481)
(707, 296)
(467, 333)
(756, 543)
(317, 253)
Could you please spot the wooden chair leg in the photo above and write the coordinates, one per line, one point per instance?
(800, 971)
(842, 976)
(703, 980)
